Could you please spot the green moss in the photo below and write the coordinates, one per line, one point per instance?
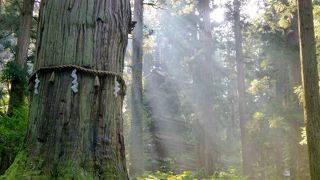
(72, 170)
(14, 167)
(25, 167)
(21, 169)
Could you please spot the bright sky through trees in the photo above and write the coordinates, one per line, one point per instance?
(218, 15)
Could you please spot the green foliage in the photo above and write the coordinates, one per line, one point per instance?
(299, 92)
(12, 131)
(9, 19)
(186, 175)
(4, 98)
(316, 21)
(304, 136)
(230, 174)
(14, 71)
(316, 13)
(261, 85)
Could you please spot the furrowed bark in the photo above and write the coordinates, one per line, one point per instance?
(77, 135)
(310, 84)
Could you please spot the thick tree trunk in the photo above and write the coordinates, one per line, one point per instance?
(136, 144)
(17, 91)
(240, 66)
(77, 135)
(310, 83)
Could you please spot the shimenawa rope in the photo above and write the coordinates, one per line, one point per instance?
(80, 69)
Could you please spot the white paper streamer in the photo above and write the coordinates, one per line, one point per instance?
(116, 87)
(36, 85)
(75, 83)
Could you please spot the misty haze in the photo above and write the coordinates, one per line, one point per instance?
(159, 89)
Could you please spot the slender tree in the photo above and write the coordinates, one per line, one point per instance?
(75, 120)
(240, 67)
(310, 83)
(207, 149)
(298, 153)
(17, 91)
(136, 145)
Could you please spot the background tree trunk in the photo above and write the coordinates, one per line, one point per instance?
(17, 90)
(208, 150)
(240, 66)
(1, 4)
(77, 135)
(136, 144)
(18, 86)
(310, 83)
(299, 168)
